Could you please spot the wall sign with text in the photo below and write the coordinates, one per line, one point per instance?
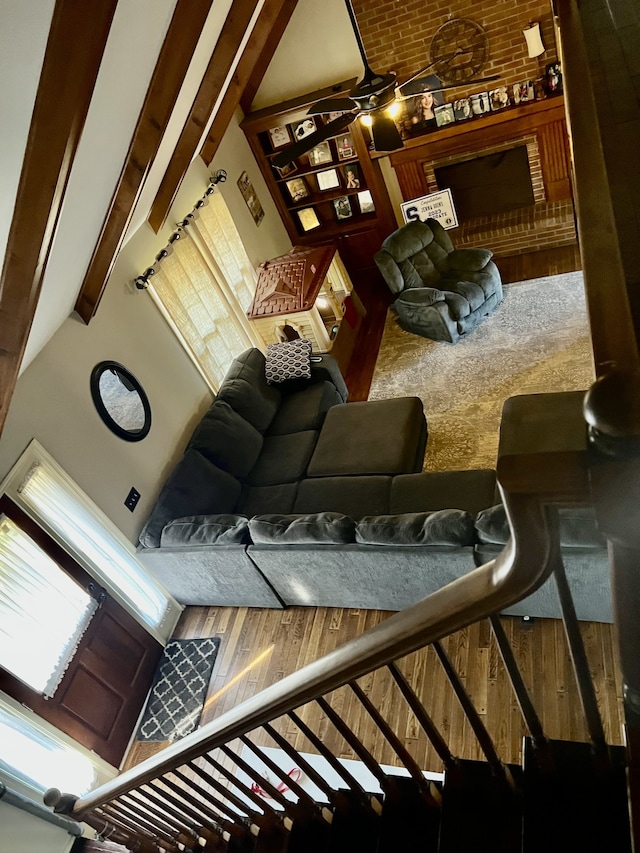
(433, 206)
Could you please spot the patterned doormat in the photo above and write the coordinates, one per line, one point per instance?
(179, 689)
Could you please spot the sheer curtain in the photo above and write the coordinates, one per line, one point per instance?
(204, 286)
(43, 612)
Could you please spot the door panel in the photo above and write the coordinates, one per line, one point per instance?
(101, 694)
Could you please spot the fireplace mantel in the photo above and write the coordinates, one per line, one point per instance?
(543, 121)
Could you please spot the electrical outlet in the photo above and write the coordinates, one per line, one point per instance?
(131, 501)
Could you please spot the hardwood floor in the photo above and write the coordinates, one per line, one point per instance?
(260, 647)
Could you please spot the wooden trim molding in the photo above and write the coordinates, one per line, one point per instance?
(76, 43)
(220, 64)
(173, 62)
(257, 55)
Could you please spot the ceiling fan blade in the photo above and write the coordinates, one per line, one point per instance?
(308, 142)
(402, 97)
(386, 136)
(422, 71)
(331, 105)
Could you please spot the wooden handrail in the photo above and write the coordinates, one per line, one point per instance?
(523, 565)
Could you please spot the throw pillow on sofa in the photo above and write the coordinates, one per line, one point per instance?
(227, 439)
(288, 360)
(322, 528)
(206, 530)
(443, 527)
(195, 487)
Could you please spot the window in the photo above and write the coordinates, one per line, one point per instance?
(204, 286)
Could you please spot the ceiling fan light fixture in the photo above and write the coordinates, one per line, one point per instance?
(366, 120)
(393, 109)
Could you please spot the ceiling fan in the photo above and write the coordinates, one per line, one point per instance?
(371, 99)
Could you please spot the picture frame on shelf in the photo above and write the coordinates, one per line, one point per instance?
(308, 219)
(365, 202)
(444, 115)
(499, 98)
(286, 170)
(351, 176)
(328, 180)
(320, 155)
(462, 109)
(523, 92)
(480, 104)
(298, 189)
(342, 207)
(553, 79)
(346, 148)
(279, 137)
(304, 128)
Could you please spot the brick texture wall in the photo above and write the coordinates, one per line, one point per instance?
(397, 36)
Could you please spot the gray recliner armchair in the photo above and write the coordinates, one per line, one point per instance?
(443, 292)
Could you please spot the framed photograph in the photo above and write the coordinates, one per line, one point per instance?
(333, 116)
(480, 103)
(249, 194)
(499, 98)
(553, 79)
(444, 115)
(523, 92)
(285, 171)
(351, 176)
(279, 137)
(298, 189)
(342, 207)
(462, 109)
(365, 201)
(308, 219)
(346, 148)
(328, 180)
(320, 154)
(304, 128)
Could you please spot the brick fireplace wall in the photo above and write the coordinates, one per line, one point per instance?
(397, 35)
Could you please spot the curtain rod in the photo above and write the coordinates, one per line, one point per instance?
(142, 281)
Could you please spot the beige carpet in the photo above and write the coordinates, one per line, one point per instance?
(537, 340)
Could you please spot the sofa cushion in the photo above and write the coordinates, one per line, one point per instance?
(206, 530)
(444, 527)
(227, 439)
(322, 528)
(288, 360)
(577, 527)
(473, 293)
(353, 496)
(246, 390)
(468, 490)
(284, 458)
(305, 409)
(195, 487)
(258, 500)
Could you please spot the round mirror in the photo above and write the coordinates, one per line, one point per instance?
(120, 400)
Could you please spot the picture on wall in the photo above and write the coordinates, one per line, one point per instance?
(297, 189)
(249, 194)
(320, 154)
(328, 180)
(351, 176)
(480, 103)
(499, 98)
(308, 219)
(279, 136)
(462, 109)
(342, 207)
(444, 115)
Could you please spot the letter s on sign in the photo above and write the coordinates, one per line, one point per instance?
(412, 214)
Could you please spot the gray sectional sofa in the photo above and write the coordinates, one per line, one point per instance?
(243, 520)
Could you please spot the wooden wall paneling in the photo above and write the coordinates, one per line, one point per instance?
(555, 160)
(257, 55)
(220, 64)
(76, 43)
(173, 62)
(412, 180)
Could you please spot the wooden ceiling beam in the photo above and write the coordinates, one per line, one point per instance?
(257, 55)
(213, 82)
(76, 43)
(174, 59)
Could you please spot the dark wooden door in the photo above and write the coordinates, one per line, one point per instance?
(102, 692)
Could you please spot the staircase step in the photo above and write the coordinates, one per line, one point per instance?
(480, 812)
(355, 824)
(574, 802)
(407, 823)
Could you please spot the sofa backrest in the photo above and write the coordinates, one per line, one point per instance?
(246, 390)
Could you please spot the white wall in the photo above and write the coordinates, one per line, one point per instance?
(52, 401)
(21, 832)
